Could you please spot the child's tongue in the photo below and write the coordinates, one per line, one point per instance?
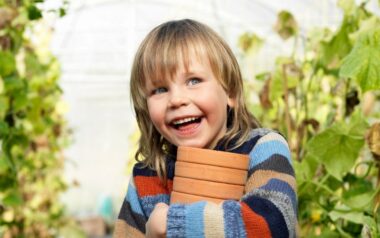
(188, 126)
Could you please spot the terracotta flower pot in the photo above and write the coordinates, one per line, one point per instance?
(202, 174)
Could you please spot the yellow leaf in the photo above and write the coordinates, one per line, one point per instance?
(316, 215)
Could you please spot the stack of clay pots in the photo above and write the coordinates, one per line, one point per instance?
(208, 175)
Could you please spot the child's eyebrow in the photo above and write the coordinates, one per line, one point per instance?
(157, 83)
(189, 74)
(193, 72)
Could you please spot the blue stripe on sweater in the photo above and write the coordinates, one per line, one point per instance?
(233, 223)
(194, 220)
(263, 151)
(282, 187)
(133, 200)
(148, 202)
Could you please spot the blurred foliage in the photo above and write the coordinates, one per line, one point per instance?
(325, 98)
(286, 26)
(33, 130)
(250, 42)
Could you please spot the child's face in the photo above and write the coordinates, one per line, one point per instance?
(191, 109)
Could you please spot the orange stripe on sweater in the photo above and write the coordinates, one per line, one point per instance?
(150, 186)
(255, 225)
(262, 177)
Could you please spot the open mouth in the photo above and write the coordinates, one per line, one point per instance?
(186, 123)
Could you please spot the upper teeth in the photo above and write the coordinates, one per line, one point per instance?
(180, 121)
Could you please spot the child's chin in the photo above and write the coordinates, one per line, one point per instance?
(194, 145)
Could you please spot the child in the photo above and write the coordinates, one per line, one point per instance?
(187, 90)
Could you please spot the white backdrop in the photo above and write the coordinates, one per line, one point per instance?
(96, 42)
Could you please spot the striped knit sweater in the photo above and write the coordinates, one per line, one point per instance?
(267, 209)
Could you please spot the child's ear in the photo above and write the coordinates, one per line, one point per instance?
(231, 102)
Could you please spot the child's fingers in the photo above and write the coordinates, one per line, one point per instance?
(156, 225)
(161, 205)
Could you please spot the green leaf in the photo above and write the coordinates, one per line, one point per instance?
(3, 168)
(6, 149)
(276, 87)
(332, 183)
(34, 13)
(360, 193)
(365, 26)
(363, 62)
(4, 129)
(7, 63)
(348, 6)
(20, 102)
(334, 50)
(316, 36)
(13, 83)
(33, 65)
(250, 42)
(326, 232)
(286, 25)
(355, 217)
(277, 81)
(62, 12)
(357, 186)
(358, 125)
(338, 146)
(306, 168)
(4, 105)
(13, 199)
(294, 75)
(360, 201)
(263, 76)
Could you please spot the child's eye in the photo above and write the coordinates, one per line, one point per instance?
(159, 90)
(194, 81)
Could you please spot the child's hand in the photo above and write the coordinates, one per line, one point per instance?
(156, 225)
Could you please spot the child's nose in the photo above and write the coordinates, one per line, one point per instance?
(178, 99)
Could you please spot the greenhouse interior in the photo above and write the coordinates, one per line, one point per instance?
(311, 71)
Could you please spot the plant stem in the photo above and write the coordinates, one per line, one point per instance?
(342, 232)
(286, 100)
(377, 198)
(302, 100)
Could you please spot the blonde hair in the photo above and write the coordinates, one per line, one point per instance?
(157, 59)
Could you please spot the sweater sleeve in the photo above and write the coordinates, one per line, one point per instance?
(131, 220)
(267, 209)
(145, 190)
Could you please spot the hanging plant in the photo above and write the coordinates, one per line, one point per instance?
(33, 130)
(326, 99)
